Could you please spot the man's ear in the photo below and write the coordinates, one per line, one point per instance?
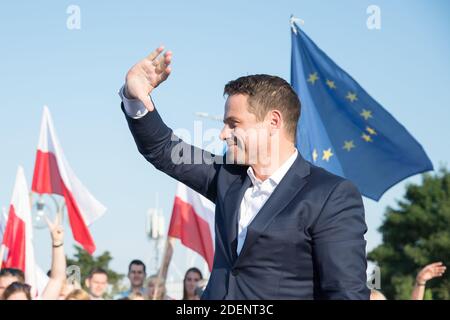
(275, 119)
(86, 282)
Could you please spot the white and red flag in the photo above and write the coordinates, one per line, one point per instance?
(17, 243)
(53, 175)
(193, 222)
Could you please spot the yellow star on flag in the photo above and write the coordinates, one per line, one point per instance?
(313, 78)
(366, 114)
(314, 155)
(351, 96)
(366, 137)
(331, 84)
(327, 154)
(348, 145)
(371, 131)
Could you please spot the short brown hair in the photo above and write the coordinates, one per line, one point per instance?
(17, 287)
(97, 271)
(137, 263)
(266, 93)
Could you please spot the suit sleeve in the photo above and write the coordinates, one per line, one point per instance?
(196, 168)
(339, 248)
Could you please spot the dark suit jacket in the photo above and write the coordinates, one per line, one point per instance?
(306, 242)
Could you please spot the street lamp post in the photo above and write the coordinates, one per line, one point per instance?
(41, 209)
(155, 229)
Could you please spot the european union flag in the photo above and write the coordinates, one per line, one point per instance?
(344, 130)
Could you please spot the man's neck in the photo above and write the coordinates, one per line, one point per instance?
(264, 171)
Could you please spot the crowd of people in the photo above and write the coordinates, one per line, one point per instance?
(14, 287)
(13, 284)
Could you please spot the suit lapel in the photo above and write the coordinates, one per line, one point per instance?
(232, 203)
(284, 193)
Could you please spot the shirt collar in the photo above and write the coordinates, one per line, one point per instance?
(276, 177)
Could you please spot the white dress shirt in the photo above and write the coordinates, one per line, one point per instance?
(134, 108)
(255, 196)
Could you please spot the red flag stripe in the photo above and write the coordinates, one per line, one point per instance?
(192, 230)
(46, 176)
(80, 230)
(14, 240)
(47, 180)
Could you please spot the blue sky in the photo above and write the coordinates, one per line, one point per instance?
(77, 73)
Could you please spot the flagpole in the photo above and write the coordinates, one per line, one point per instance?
(2, 246)
(293, 20)
(59, 205)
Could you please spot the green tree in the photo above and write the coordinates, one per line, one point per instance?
(415, 234)
(86, 263)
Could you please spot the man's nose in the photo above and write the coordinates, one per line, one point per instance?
(225, 133)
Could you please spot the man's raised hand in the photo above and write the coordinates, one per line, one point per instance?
(146, 75)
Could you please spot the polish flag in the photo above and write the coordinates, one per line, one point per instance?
(17, 238)
(53, 175)
(193, 222)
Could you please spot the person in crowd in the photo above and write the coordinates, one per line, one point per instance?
(67, 288)
(190, 282)
(17, 291)
(136, 275)
(57, 277)
(12, 281)
(8, 276)
(136, 296)
(78, 294)
(97, 283)
(427, 273)
(156, 289)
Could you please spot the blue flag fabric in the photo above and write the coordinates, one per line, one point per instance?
(344, 130)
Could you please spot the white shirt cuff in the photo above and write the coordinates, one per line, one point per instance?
(134, 108)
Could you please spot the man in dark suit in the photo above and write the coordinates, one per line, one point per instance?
(285, 229)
